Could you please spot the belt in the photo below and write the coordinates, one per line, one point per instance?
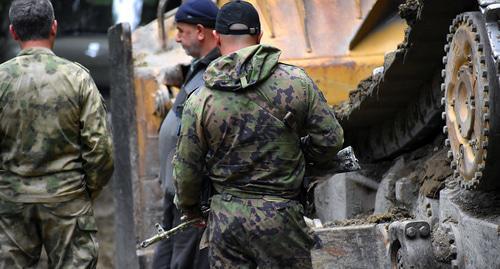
(225, 196)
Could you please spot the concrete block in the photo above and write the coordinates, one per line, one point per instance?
(384, 199)
(474, 217)
(360, 247)
(386, 195)
(344, 196)
(406, 191)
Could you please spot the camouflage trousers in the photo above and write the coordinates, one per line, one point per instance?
(251, 233)
(66, 230)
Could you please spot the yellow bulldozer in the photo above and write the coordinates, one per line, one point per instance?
(397, 73)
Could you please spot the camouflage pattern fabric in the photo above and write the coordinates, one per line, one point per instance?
(251, 233)
(66, 230)
(245, 148)
(54, 140)
(235, 129)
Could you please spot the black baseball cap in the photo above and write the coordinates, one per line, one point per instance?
(241, 13)
(201, 12)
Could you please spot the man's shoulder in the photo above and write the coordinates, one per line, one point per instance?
(290, 71)
(53, 64)
(287, 75)
(81, 67)
(8, 67)
(69, 66)
(198, 95)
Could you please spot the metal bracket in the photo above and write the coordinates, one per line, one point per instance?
(412, 237)
(492, 15)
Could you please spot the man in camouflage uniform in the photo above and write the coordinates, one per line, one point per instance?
(244, 129)
(55, 149)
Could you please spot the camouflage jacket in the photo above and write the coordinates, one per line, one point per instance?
(54, 140)
(233, 128)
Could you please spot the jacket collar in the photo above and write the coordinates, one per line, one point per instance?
(202, 63)
(212, 55)
(34, 51)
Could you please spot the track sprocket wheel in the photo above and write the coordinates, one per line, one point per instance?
(469, 81)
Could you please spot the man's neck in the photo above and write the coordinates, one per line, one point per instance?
(43, 43)
(229, 48)
(207, 48)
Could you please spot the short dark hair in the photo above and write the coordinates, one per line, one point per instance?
(31, 19)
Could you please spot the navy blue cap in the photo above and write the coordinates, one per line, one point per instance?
(202, 12)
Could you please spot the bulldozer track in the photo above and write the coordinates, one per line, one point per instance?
(402, 108)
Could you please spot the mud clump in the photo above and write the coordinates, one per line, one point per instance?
(436, 171)
(409, 10)
(356, 97)
(394, 214)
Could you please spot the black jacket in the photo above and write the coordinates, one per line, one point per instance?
(170, 126)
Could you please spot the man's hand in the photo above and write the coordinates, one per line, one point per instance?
(188, 215)
(93, 194)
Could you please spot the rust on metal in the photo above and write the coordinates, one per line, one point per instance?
(359, 9)
(303, 22)
(161, 23)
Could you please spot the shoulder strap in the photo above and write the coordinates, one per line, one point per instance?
(259, 98)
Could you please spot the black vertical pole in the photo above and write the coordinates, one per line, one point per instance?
(123, 120)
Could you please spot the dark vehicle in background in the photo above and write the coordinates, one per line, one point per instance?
(82, 33)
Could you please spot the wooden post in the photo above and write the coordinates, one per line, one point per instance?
(125, 144)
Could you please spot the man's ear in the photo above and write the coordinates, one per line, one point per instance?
(217, 38)
(200, 32)
(53, 28)
(260, 37)
(13, 33)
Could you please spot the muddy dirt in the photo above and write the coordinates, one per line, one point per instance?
(479, 204)
(441, 243)
(436, 171)
(429, 167)
(356, 97)
(395, 213)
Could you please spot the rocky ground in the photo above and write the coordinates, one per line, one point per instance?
(104, 209)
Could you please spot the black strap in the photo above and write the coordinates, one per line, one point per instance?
(258, 97)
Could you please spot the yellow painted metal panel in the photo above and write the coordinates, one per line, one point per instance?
(330, 26)
(147, 124)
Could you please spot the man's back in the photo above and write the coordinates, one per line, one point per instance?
(250, 147)
(45, 101)
(55, 149)
(245, 128)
